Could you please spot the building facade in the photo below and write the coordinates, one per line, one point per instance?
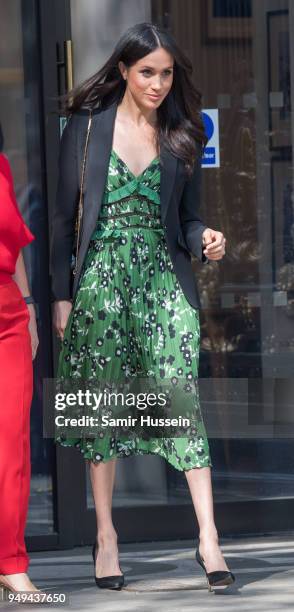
(243, 59)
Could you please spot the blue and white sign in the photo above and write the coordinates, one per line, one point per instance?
(210, 158)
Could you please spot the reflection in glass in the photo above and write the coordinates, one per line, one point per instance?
(247, 298)
(20, 140)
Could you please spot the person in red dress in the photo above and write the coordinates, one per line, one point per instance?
(18, 346)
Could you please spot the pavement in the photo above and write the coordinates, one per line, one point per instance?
(164, 576)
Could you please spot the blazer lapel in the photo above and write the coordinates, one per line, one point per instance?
(100, 144)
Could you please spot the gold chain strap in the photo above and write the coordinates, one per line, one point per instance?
(80, 209)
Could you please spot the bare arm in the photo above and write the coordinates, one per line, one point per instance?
(20, 277)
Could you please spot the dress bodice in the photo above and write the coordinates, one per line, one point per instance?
(129, 200)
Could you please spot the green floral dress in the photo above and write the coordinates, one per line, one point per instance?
(130, 316)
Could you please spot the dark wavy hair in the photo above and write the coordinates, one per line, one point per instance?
(179, 116)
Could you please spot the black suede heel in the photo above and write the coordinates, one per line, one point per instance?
(107, 582)
(217, 578)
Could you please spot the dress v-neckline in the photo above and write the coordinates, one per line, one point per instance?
(136, 176)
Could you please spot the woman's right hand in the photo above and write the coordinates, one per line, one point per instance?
(61, 312)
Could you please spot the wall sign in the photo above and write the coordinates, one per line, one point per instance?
(210, 158)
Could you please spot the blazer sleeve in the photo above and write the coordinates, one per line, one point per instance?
(64, 214)
(191, 223)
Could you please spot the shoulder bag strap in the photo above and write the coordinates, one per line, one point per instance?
(80, 208)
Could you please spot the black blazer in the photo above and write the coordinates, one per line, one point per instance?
(180, 202)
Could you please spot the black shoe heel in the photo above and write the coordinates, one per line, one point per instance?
(215, 579)
(107, 582)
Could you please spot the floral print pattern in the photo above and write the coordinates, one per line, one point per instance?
(130, 316)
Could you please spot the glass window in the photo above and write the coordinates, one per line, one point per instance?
(240, 53)
(21, 141)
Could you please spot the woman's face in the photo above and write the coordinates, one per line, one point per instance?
(150, 79)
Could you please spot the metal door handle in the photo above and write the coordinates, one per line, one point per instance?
(68, 61)
(65, 65)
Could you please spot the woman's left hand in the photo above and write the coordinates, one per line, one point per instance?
(214, 242)
(33, 330)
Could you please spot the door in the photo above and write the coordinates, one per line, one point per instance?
(21, 140)
(247, 316)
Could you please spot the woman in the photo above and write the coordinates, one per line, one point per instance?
(134, 307)
(18, 346)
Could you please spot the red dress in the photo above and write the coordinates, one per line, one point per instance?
(16, 384)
